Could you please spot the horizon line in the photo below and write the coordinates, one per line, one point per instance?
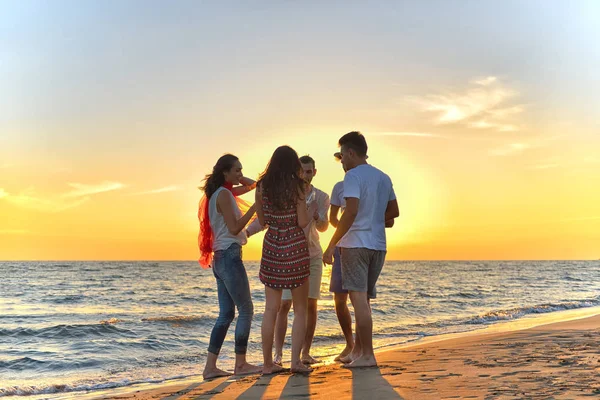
(255, 260)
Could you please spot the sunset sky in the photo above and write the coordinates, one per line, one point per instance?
(484, 114)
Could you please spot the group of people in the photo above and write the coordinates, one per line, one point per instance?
(293, 211)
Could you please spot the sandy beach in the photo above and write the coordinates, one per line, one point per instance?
(558, 360)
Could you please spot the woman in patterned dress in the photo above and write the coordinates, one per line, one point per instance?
(285, 262)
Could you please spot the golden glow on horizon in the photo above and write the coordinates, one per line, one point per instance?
(450, 208)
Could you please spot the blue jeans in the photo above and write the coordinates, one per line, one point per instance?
(234, 291)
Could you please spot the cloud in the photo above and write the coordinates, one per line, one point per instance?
(486, 81)
(483, 105)
(81, 189)
(544, 166)
(155, 191)
(410, 134)
(511, 149)
(486, 124)
(31, 201)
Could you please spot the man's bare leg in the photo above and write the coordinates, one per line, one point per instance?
(345, 320)
(364, 330)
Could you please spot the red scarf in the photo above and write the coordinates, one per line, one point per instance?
(205, 236)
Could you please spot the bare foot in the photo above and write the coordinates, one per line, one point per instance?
(298, 367)
(247, 369)
(343, 354)
(272, 369)
(349, 358)
(307, 359)
(214, 373)
(362, 362)
(277, 360)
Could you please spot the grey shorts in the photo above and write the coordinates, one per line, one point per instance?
(361, 268)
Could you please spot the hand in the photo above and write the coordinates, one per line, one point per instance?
(316, 215)
(248, 183)
(328, 256)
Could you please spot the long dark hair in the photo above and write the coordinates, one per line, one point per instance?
(281, 182)
(216, 179)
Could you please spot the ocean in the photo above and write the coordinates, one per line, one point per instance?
(79, 326)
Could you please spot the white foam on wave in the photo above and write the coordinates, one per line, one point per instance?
(65, 388)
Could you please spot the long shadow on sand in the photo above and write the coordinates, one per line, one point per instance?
(183, 392)
(370, 382)
(297, 386)
(259, 388)
(210, 391)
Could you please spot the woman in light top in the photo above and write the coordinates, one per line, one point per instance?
(220, 241)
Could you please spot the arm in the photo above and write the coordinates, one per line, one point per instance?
(333, 215)
(389, 223)
(254, 228)
(391, 210)
(303, 218)
(247, 185)
(322, 224)
(227, 206)
(345, 222)
(259, 206)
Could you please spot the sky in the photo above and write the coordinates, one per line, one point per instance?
(484, 114)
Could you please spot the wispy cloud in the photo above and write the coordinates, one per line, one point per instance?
(544, 166)
(487, 124)
(409, 134)
(155, 191)
(511, 149)
(519, 148)
(483, 105)
(81, 189)
(486, 81)
(31, 201)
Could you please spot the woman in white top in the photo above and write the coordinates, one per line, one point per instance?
(222, 235)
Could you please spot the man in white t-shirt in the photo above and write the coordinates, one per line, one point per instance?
(360, 234)
(318, 208)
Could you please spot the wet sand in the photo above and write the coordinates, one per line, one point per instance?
(559, 360)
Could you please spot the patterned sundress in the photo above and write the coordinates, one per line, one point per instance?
(285, 262)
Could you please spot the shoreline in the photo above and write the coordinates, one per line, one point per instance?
(578, 319)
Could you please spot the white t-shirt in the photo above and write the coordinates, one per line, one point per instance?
(337, 195)
(374, 190)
